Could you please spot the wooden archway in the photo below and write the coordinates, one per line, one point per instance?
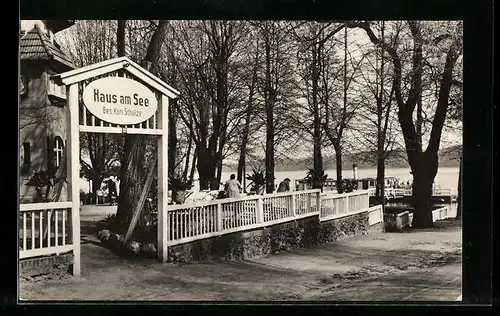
(81, 120)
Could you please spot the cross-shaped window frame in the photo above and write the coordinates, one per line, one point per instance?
(58, 150)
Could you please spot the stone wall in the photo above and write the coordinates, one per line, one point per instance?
(307, 232)
(45, 265)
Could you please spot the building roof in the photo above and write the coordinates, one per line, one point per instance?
(35, 45)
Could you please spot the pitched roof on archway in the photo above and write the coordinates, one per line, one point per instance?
(111, 65)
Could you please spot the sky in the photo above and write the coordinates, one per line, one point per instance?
(27, 25)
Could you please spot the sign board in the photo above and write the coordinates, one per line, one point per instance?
(119, 100)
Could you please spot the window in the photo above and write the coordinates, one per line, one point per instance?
(58, 150)
(26, 157)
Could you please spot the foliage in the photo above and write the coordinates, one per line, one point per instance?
(258, 178)
(43, 179)
(177, 182)
(349, 185)
(316, 178)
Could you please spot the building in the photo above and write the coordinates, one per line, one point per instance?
(42, 105)
(371, 183)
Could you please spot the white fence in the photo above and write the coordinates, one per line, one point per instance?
(45, 229)
(375, 215)
(400, 192)
(441, 213)
(190, 222)
(337, 205)
(406, 218)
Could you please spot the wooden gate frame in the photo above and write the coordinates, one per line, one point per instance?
(71, 79)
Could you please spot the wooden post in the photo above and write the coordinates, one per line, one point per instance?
(260, 211)
(219, 217)
(73, 163)
(346, 205)
(292, 205)
(162, 232)
(318, 201)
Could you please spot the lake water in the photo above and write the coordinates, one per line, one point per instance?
(446, 177)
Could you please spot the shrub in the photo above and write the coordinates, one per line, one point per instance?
(316, 178)
(178, 183)
(257, 178)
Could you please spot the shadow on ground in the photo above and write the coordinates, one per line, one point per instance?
(423, 265)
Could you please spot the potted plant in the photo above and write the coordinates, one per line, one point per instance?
(258, 180)
(179, 186)
(316, 178)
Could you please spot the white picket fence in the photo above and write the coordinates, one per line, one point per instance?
(45, 229)
(189, 222)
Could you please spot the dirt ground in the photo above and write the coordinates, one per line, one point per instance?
(412, 266)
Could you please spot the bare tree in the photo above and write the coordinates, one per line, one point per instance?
(277, 86)
(448, 38)
(311, 57)
(339, 115)
(251, 108)
(378, 113)
(205, 64)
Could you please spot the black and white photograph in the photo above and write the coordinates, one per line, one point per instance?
(241, 160)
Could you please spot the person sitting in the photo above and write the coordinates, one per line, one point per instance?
(284, 185)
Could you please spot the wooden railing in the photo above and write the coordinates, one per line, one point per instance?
(45, 229)
(400, 192)
(200, 220)
(189, 222)
(440, 213)
(375, 215)
(337, 205)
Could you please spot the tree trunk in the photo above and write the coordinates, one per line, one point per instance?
(120, 37)
(172, 136)
(206, 166)
(188, 156)
(269, 104)
(317, 157)
(459, 191)
(193, 165)
(243, 148)
(338, 168)
(424, 170)
(380, 193)
(218, 175)
(270, 160)
(132, 175)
